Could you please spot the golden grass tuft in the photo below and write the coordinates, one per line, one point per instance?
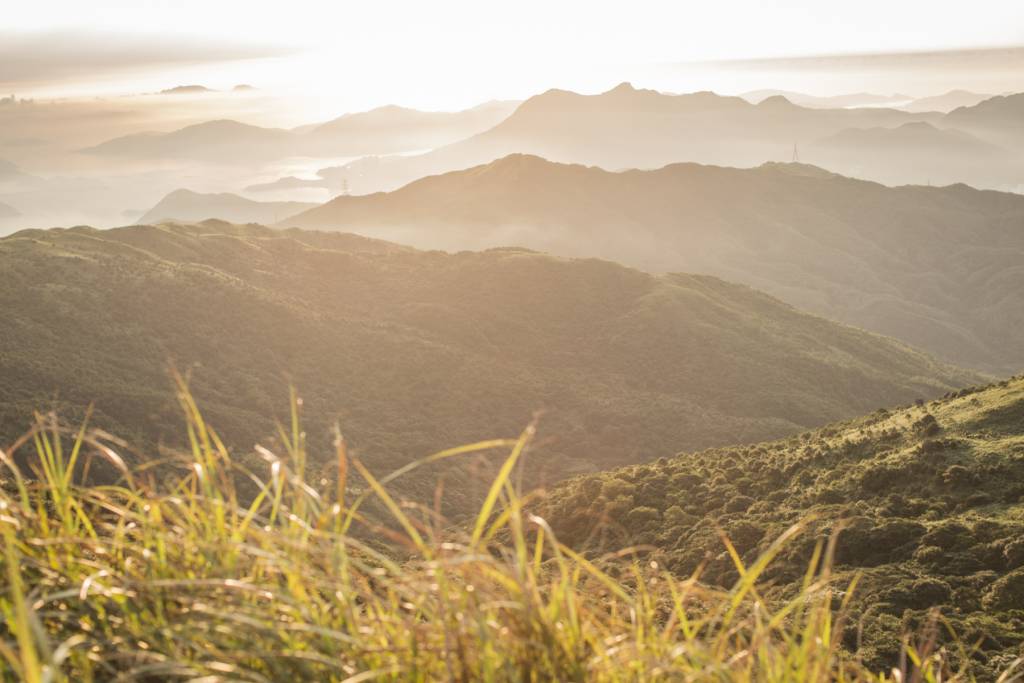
(171, 572)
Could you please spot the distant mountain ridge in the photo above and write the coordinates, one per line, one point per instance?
(187, 206)
(627, 127)
(384, 130)
(919, 153)
(947, 102)
(939, 268)
(943, 103)
(185, 90)
(846, 101)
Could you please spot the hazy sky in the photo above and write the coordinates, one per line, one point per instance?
(446, 53)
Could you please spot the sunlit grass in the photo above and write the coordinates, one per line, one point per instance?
(202, 569)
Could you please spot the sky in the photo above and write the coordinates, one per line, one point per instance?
(441, 54)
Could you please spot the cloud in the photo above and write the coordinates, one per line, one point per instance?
(971, 58)
(46, 57)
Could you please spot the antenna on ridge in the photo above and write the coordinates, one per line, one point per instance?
(796, 154)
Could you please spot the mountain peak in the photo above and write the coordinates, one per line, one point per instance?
(185, 90)
(1000, 105)
(795, 168)
(918, 126)
(517, 166)
(776, 101)
(622, 88)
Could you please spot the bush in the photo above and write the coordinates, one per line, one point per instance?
(1006, 593)
(927, 426)
(949, 536)
(957, 476)
(928, 592)
(739, 504)
(868, 542)
(639, 517)
(614, 487)
(1014, 553)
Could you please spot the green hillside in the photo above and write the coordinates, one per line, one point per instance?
(936, 267)
(931, 496)
(412, 351)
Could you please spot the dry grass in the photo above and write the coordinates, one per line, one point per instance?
(172, 572)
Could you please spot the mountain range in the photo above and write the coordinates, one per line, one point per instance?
(630, 128)
(411, 351)
(193, 207)
(944, 103)
(938, 267)
(384, 130)
(918, 153)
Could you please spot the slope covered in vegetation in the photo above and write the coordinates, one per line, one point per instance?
(937, 267)
(184, 577)
(410, 351)
(930, 498)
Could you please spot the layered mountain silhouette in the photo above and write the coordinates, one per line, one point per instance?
(938, 267)
(188, 206)
(411, 351)
(850, 100)
(630, 128)
(186, 90)
(221, 141)
(384, 130)
(947, 102)
(944, 103)
(918, 153)
(1000, 119)
(387, 129)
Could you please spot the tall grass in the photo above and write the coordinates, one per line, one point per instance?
(201, 568)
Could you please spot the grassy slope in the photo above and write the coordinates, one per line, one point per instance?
(938, 267)
(410, 351)
(181, 577)
(933, 496)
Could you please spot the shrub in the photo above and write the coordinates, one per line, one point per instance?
(1006, 593)
(739, 503)
(639, 517)
(927, 425)
(868, 542)
(949, 536)
(929, 554)
(928, 592)
(1014, 553)
(676, 517)
(614, 487)
(957, 476)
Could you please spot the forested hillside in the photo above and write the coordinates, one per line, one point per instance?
(412, 351)
(930, 498)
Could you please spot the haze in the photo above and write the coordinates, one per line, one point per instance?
(453, 54)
